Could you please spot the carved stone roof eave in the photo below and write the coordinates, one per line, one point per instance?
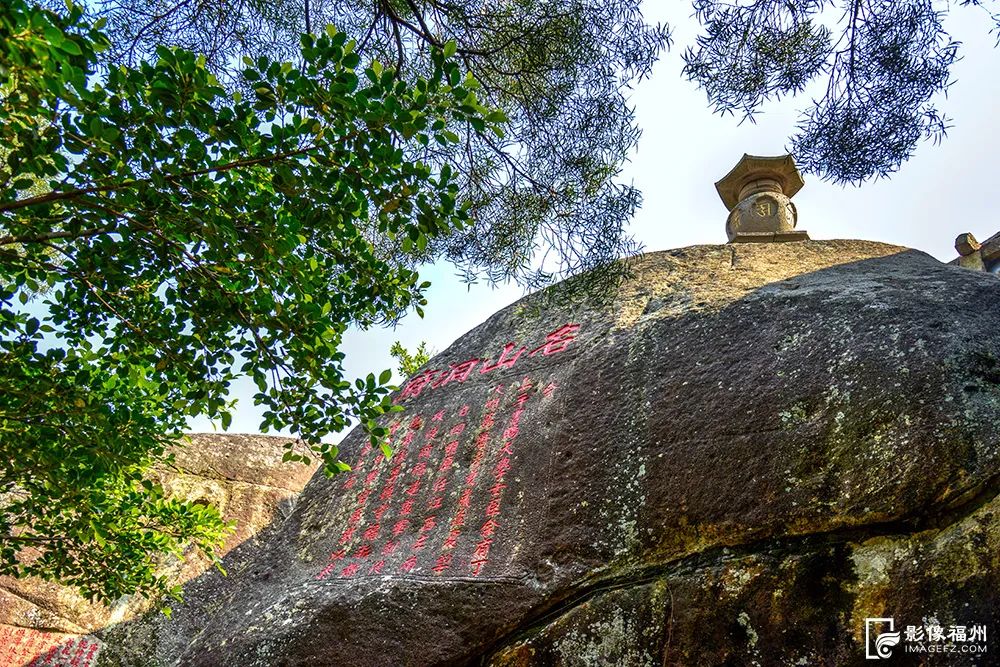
(751, 167)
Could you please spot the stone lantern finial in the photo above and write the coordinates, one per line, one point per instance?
(757, 192)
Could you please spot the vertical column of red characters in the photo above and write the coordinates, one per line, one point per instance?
(389, 489)
(372, 532)
(369, 533)
(481, 444)
(480, 556)
(420, 471)
(441, 485)
(354, 519)
(9, 644)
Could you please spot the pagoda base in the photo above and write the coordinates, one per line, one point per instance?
(770, 237)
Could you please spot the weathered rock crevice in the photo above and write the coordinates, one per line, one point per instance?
(42, 603)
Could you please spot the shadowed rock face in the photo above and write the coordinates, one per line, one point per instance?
(241, 475)
(750, 451)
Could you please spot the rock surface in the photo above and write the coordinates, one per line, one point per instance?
(241, 475)
(750, 451)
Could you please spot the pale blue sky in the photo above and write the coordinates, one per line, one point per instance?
(943, 191)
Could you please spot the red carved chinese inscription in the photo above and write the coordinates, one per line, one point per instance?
(481, 555)
(443, 563)
(489, 528)
(558, 340)
(555, 342)
(26, 647)
(505, 360)
(456, 373)
(371, 533)
(406, 510)
(418, 384)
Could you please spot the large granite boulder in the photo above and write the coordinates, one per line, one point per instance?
(746, 454)
(43, 623)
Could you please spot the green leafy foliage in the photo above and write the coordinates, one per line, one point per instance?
(544, 196)
(182, 237)
(410, 362)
